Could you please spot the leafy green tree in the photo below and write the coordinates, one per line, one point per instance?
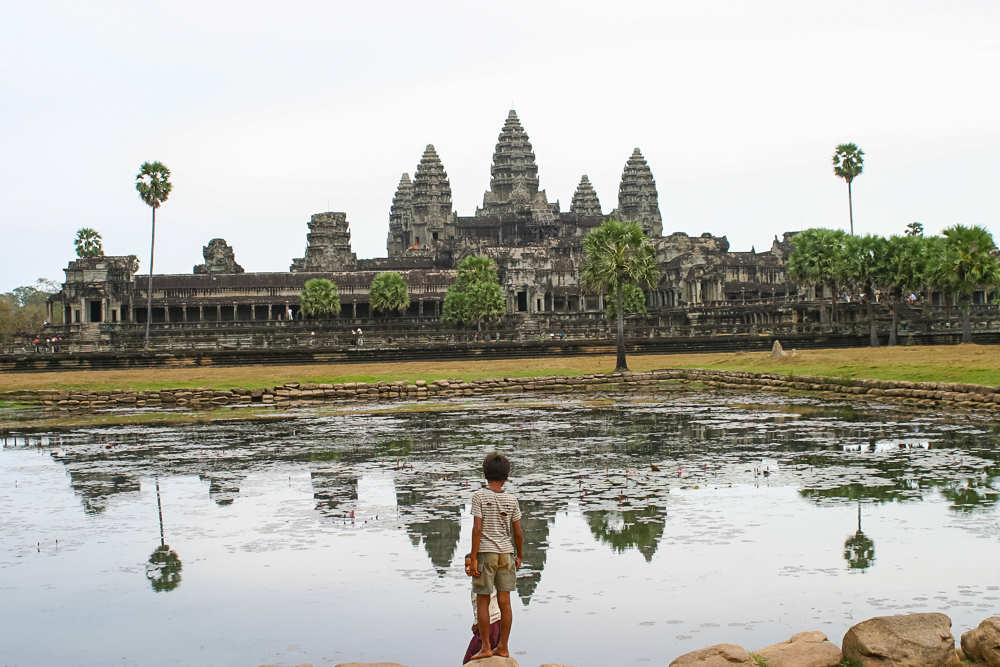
(618, 254)
(859, 550)
(23, 309)
(905, 271)
(88, 243)
(389, 292)
(633, 298)
(848, 164)
(320, 297)
(475, 296)
(864, 267)
(914, 229)
(816, 259)
(969, 263)
(938, 278)
(153, 185)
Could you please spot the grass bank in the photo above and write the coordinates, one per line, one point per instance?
(963, 363)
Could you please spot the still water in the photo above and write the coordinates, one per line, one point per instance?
(332, 537)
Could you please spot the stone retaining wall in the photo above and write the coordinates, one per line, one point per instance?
(929, 394)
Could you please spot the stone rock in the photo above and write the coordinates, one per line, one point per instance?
(911, 640)
(983, 643)
(495, 661)
(805, 649)
(719, 655)
(776, 351)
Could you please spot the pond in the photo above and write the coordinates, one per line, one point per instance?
(329, 537)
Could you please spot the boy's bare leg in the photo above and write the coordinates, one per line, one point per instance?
(483, 614)
(506, 618)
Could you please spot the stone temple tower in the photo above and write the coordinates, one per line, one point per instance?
(400, 217)
(637, 198)
(514, 174)
(585, 201)
(432, 217)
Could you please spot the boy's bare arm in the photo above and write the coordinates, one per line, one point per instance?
(477, 533)
(518, 543)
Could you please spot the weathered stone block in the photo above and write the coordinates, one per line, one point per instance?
(911, 640)
(719, 655)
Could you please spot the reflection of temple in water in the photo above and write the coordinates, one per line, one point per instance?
(535, 526)
(223, 488)
(623, 530)
(439, 535)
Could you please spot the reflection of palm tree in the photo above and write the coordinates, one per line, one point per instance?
(859, 550)
(164, 567)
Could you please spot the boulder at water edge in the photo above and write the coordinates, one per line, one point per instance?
(495, 661)
(720, 655)
(805, 649)
(910, 640)
(983, 643)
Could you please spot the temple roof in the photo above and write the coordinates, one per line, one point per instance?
(431, 189)
(585, 201)
(514, 174)
(637, 196)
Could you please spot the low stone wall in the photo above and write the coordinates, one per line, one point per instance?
(929, 394)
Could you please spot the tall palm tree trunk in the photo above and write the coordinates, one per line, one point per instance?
(621, 364)
(850, 206)
(149, 287)
(966, 320)
(833, 302)
(895, 318)
(871, 317)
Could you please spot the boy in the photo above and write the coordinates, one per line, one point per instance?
(496, 519)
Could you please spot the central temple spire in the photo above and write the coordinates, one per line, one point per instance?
(514, 174)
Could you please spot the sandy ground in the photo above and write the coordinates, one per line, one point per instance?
(962, 363)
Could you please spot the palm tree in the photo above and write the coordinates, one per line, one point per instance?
(969, 260)
(153, 184)
(864, 267)
(859, 550)
(905, 270)
(914, 229)
(848, 163)
(618, 254)
(88, 243)
(320, 297)
(389, 292)
(816, 259)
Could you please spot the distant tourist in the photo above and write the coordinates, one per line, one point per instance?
(496, 531)
(477, 641)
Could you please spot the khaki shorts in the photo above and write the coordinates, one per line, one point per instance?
(496, 572)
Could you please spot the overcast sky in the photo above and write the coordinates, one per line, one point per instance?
(269, 112)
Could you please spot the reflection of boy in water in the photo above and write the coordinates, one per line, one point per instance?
(477, 640)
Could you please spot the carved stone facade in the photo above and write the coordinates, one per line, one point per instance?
(219, 258)
(328, 245)
(537, 247)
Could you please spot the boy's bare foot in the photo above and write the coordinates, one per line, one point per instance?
(484, 653)
(502, 651)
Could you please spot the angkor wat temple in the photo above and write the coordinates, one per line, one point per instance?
(536, 245)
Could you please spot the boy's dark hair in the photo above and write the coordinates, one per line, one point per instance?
(496, 467)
